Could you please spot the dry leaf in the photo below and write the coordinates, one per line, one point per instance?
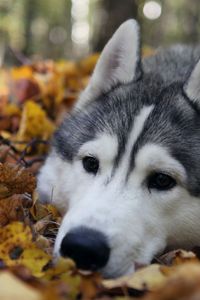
(17, 248)
(40, 94)
(34, 123)
(61, 269)
(148, 278)
(87, 64)
(12, 208)
(39, 211)
(90, 286)
(183, 283)
(15, 180)
(34, 259)
(25, 89)
(11, 288)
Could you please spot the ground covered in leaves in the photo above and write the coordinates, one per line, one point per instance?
(33, 100)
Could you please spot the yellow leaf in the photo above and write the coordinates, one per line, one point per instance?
(87, 64)
(17, 248)
(21, 72)
(16, 232)
(149, 278)
(182, 282)
(62, 268)
(64, 271)
(12, 109)
(34, 123)
(34, 259)
(11, 288)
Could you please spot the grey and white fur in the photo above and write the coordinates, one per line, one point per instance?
(139, 120)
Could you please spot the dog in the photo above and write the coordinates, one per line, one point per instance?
(124, 168)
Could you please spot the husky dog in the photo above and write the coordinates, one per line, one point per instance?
(124, 168)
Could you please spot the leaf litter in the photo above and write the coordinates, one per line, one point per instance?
(33, 101)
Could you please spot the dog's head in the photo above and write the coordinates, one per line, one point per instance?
(125, 164)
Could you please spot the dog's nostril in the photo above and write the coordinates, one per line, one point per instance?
(87, 247)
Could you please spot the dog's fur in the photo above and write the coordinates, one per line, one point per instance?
(137, 117)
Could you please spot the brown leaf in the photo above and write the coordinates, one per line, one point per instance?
(44, 212)
(176, 257)
(15, 180)
(5, 122)
(12, 208)
(90, 285)
(25, 89)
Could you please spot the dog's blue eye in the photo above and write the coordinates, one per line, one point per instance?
(161, 182)
(90, 164)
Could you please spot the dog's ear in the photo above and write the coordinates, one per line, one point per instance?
(119, 62)
(192, 86)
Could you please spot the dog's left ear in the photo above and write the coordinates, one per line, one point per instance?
(192, 86)
(119, 62)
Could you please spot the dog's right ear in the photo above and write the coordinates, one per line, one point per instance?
(192, 86)
(119, 63)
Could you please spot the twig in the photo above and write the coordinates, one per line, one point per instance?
(21, 159)
(20, 57)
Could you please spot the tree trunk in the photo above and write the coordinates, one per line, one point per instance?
(112, 14)
(29, 16)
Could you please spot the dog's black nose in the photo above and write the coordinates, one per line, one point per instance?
(87, 247)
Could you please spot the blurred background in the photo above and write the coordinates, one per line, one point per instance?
(72, 29)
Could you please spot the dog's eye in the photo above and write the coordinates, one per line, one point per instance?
(161, 182)
(90, 164)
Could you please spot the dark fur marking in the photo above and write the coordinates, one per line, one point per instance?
(173, 123)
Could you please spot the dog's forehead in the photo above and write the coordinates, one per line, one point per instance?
(114, 114)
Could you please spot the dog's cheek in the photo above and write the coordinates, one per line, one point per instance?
(65, 226)
(46, 181)
(59, 238)
(51, 182)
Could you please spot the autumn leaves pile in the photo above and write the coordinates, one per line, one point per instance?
(33, 100)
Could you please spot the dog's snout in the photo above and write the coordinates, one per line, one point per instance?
(87, 247)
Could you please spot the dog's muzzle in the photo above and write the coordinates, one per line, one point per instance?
(87, 247)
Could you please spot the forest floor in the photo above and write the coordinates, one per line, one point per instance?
(33, 100)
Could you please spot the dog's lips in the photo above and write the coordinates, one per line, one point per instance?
(139, 265)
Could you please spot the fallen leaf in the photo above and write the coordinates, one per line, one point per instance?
(21, 72)
(25, 89)
(34, 123)
(40, 211)
(90, 286)
(17, 248)
(34, 259)
(87, 64)
(182, 283)
(176, 257)
(148, 278)
(15, 180)
(12, 208)
(11, 288)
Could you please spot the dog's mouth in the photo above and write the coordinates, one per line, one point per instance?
(139, 265)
